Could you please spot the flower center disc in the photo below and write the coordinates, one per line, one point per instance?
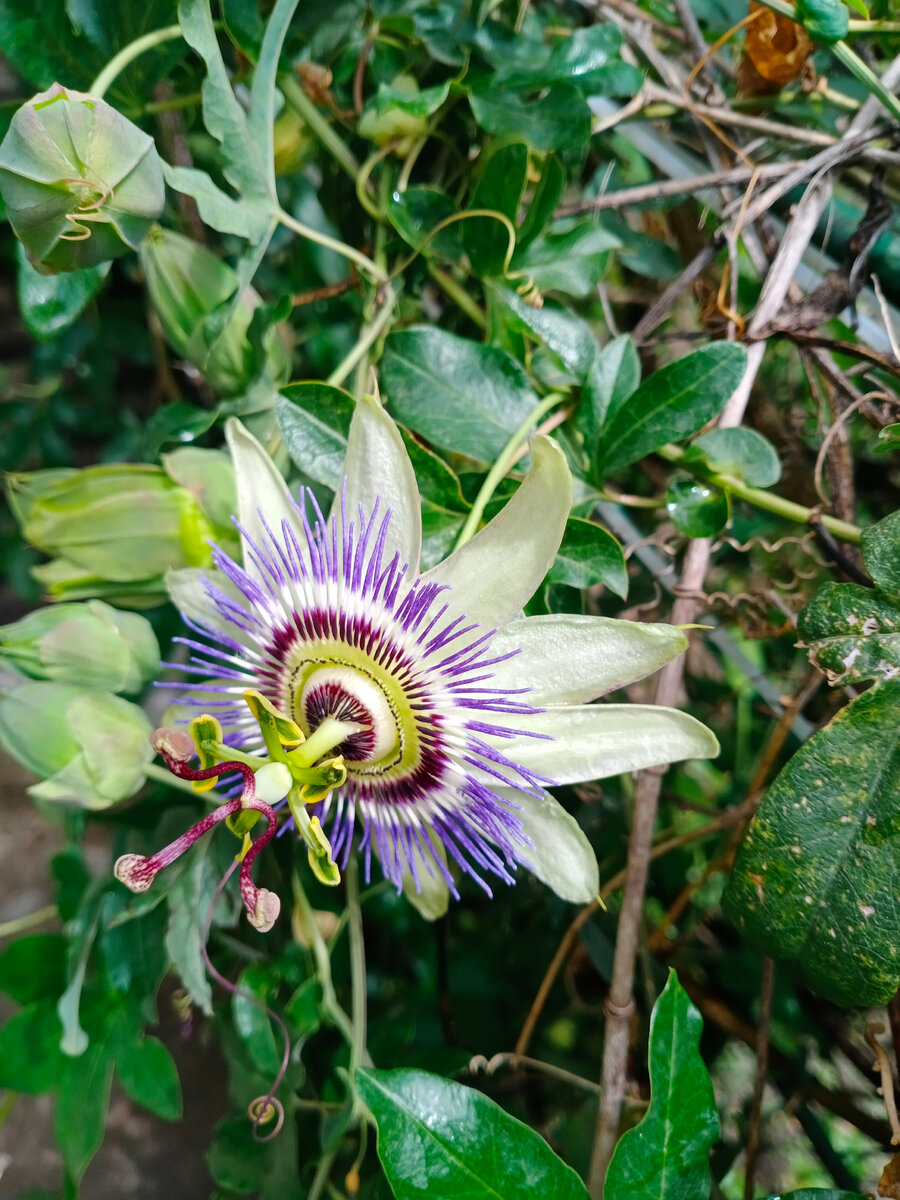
(349, 696)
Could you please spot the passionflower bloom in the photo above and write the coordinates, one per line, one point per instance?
(450, 712)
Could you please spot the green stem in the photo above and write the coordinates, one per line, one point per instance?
(326, 1162)
(322, 239)
(128, 54)
(173, 104)
(458, 295)
(370, 334)
(20, 924)
(161, 775)
(307, 111)
(849, 58)
(502, 465)
(767, 501)
(323, 963)
(358, 1053)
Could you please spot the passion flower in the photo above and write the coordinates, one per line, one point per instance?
(452, 714)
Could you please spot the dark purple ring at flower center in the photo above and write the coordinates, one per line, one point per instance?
(330, 700)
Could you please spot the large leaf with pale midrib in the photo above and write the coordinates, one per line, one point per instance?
(673, 403)
(817, 878)
(666, 1157)
(440, 1138)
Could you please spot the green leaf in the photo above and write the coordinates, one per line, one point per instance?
(251, 1022)
(815, 881)
(34, 968)
(417, 212)
(557, 119)
(589, 58)
(431, 1130)
(696, 509)
(439, 485)
(588, 555)
(49, 304)
(462, 397)
(314, 419)
(84, 1087)
(30, 1057)
(613, 376)
(188, 900)
(566, 334)
(881, 550)
(499, 188)
(148, 1074)
(741, 452)
(573, 262)
(824, 20)
(303, 1012)
(673, 403)
(852, 632)
(666, 1157)
(544, 201)
(217, 209)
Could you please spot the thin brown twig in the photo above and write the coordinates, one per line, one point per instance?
(662, 188)
(766, 989)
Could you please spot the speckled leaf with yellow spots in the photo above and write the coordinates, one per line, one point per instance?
(817, 879)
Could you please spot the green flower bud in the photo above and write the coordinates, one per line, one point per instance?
(81, 184)
(88, 748)
(127, 523)
(400, 112)
(187, 283)
(90, 644)
(293, 145)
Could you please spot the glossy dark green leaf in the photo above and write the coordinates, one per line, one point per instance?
(440, 529)
(30, 1057)
(175, 422)
(417, 212)
(49, 304)
(303, 1012)
(314, 419)
(148, 1074)
(556, 119)
(499, 189)
(544, 201)
(740, 452)
(696, 509)
(34, 968)
(566, 334)
(460, 396)
(666, 1156)
(815, 881)
(438, 1137)
(853, 633)
(613, 376)
(589, 58)
(881, 550)
(253, 1025)
(673, 403)
(188, 899)
(588, 555)
(572, 262)
(438, 483)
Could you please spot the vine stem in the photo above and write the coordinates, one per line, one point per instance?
(128, 54)
(364, 263)
(323, 963)
(768, 501)
(508, 456)
(29, 921)
(307, 111)
(358, 1053)
(370, 334)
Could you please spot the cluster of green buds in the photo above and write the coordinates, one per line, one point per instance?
(59, 717)
(81, 184)
(91, 645)
(114, 531)
(298, 770)
(188, 285)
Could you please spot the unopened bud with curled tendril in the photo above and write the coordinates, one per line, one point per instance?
(80, 182)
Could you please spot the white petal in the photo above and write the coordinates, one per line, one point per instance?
(569, 659)
(499, 570)
(260, 489)
(559, 855)
(377, 467)
(594, 741)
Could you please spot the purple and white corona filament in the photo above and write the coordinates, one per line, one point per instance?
(329, 626)
(450, 710)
